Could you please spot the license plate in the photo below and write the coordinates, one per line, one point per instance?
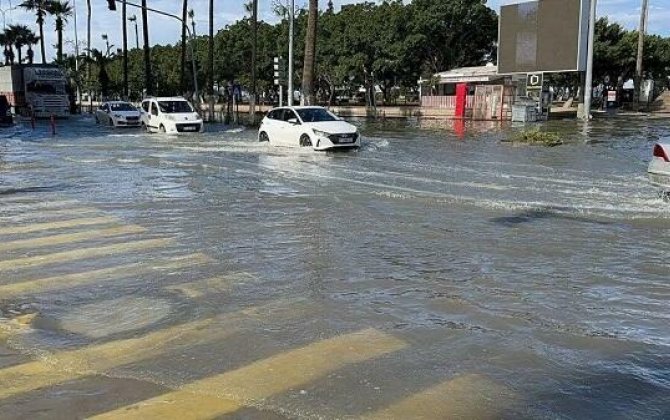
(189, 128)
(346, 139)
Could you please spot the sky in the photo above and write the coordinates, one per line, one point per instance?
(163, 30)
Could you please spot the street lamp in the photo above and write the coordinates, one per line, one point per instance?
(133, 19)
(106, 39)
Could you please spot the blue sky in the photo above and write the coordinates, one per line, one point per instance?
(163, 30)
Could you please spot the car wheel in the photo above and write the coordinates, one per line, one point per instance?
(162, 128)
(305, 141)
(264, 137)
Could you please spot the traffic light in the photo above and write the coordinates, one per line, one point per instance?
(279, 66)
(111, 4)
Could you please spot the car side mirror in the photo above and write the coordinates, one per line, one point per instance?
(293, 121)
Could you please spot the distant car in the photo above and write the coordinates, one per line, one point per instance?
(659, 167)
(5, 112)
(170, 115)
(118, 114)
(308, 126)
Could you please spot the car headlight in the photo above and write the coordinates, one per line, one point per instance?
(170, 118)
(320, 133)
(118, 116)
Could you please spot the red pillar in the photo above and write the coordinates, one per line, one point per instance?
(461, 97)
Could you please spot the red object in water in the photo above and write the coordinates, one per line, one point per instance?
(659, 152)
(461, 97)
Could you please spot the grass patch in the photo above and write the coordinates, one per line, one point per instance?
(535, 137)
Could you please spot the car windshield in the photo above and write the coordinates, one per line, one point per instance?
(46, 88)
(315, 115)
(122, 107)
(175, 107)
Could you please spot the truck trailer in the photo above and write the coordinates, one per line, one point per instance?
(35, 90)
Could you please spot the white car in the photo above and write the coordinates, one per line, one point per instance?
(659, 167)
(308, 126)
(170, 115)
(118, 114)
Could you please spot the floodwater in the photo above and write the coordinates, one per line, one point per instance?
(437, 272)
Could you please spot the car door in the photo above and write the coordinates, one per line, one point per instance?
(101, 114)
(154, 120)
(291, 130)
(144, 113)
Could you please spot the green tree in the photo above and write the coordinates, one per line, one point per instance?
(61, 10)
(40, 8)
(21, 36)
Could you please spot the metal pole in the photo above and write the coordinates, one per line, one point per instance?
(196, 97)
(588, 85)
(640, 51)
(76, 50)
(125, 52)
(289, 100)
(281, 95)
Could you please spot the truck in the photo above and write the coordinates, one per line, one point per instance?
(35, 90)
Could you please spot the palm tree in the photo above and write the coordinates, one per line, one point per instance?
(310, 53)
(31, 39)
(40, 9)
(21, 35)
(61, 10)
(184, 16)
(147, 53)
(6, 42)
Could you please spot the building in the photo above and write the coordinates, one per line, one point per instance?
(479, 93)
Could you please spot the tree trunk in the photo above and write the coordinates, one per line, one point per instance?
(44, 56)
(210, 59)
(88, 41)
(147, 53)
(124, 28)
(59, 30)
(184, 16)
(310, 53)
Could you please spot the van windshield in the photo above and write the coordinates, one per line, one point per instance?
(175, 107)
(46, 88)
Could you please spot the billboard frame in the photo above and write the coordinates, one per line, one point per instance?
(582, 40)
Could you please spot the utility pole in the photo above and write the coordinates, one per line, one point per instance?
(125, 50)
(291, 11)
(588, 85)
(640, 52)
(76, 50)
(133, 19)
(254, 31)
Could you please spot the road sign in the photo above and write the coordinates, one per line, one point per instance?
(534, 81)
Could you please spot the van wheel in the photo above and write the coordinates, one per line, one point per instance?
(305, 141)
(263, 137)
(162, 128)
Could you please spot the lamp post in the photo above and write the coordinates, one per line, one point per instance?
(588, 86)
(291, 11)
(133, 19)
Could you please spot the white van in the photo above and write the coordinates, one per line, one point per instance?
(170, 115)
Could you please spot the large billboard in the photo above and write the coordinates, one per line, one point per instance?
(543, 36)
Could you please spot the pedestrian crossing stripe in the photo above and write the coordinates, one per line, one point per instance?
(198, 288)
(70, 238)
(36, 227)
(48, 284)
(66, 366)
(466, 396)
(228, 392)
(39, 205)
(80, 254)
(47, 213)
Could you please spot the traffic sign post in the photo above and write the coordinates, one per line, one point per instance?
(279, 66)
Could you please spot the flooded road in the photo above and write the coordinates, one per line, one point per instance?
(431, 274)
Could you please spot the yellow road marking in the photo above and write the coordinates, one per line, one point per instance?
(35, 227)
(37, 205)
(69, 365)
(78, 279)
(469, 396)
(70, 237)
(261, 379)
(218, 284)
(80, 254)
(77, 211)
